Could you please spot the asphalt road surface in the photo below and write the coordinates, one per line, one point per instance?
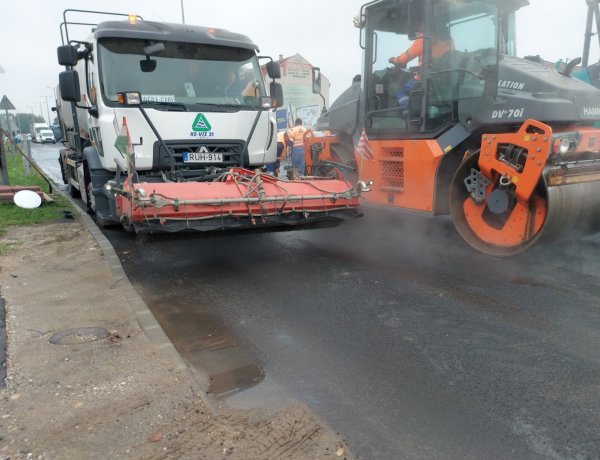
(46, 157)
(395, 332)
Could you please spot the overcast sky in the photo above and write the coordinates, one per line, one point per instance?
(320, 30)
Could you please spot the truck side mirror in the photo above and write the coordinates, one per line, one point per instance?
(67, 55)
(276, 91)
(273, 69)
(316, 80)
(68, 83)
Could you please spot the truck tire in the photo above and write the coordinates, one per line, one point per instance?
(89, 199)
(62, 169)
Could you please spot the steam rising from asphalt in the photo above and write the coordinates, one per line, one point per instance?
(419, 242)
(397, 236)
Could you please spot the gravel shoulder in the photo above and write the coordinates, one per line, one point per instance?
(119, 396)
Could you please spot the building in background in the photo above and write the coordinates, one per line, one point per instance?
(299, 99)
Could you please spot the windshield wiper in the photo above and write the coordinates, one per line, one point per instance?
(215, 106)
(167, 105)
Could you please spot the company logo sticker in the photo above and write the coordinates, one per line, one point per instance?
(201, 127)
(591, 111)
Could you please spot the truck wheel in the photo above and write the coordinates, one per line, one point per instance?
(62, 170)
(89, 197)
(128, 226)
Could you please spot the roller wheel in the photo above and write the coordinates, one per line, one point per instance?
(498, 223)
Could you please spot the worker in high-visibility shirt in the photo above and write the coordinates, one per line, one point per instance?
(282, 140)
(439, 47)
(296, 135)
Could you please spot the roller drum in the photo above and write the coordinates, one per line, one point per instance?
(567, 210)
(573, 210)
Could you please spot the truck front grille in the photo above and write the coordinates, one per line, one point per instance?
(232, 153)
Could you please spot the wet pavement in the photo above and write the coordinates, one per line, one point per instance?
(427, 351)
(395, 332)
(46, 157)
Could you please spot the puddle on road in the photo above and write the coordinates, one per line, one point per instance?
(209, 348)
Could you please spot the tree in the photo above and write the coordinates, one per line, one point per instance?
(26, 119)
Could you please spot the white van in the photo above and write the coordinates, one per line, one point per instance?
(45, 135)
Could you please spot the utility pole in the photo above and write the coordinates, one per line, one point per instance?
(47, 109)
(41, 111)
(182, 13)
(55, 101)
(53, 90)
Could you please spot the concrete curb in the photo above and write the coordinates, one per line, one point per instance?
(145, 318)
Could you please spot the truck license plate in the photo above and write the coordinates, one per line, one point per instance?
(197, 157)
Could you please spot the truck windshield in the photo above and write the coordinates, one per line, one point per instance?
(177, 76)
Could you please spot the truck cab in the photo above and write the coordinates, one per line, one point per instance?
(204, 105)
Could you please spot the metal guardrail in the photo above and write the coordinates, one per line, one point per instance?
(31, 162)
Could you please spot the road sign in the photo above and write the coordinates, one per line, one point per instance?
(3, 165)
(5, 104)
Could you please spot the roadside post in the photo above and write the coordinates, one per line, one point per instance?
(26, 164)
(13, 149)
(3, 164)
(6, 105)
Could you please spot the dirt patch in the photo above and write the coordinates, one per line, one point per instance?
(117, 397)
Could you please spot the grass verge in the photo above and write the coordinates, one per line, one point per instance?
(11, 214)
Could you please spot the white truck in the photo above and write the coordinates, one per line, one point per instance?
(172, 125)
(39, 133)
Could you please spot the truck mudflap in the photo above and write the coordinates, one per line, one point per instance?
(238, 199)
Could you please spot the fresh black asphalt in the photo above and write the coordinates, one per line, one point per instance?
(405, 340)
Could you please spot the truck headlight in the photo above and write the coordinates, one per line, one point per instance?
(130, 98)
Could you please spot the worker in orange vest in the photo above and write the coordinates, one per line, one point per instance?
(296, 135)
(282, 141)
(439, 48)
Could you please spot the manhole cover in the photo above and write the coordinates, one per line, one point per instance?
(78, 335)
